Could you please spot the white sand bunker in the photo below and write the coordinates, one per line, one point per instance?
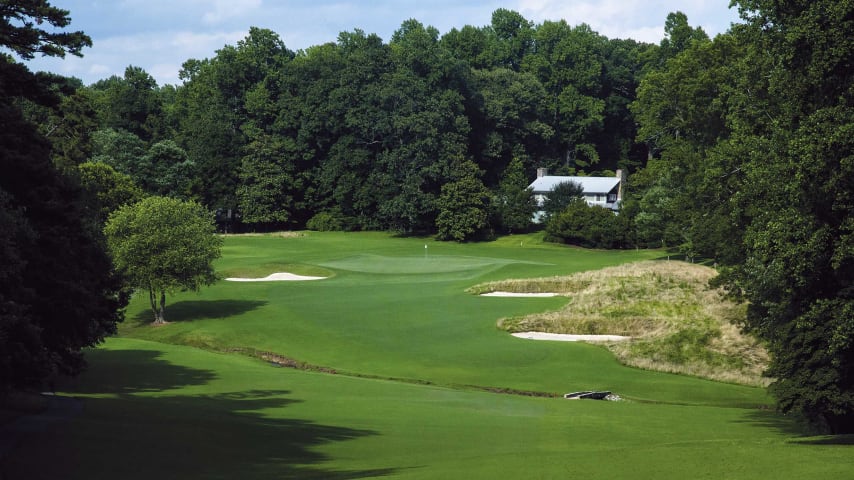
(276, 277)
(565, 337)
(514, 294)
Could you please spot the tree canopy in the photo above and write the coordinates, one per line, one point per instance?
(162, 244)
(58, 293)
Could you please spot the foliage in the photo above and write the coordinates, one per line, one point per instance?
(562, 195)
(327, 221)
(131, 103)
(514, 203)
(58, 294)
(162, 245)
(19, 33)
(463, 205)
(754, 134)
(107, 190)
(166, 170)
(587, 226)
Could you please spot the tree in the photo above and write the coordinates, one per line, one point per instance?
(19, 33)
(561, 196)
(119, 149)
(132, 103)
(266, 182)
(568, 62)
(463, 205)
(514, 201)
(211, 110)
(798, 213)
(587, 226)
(678, 35)
(161, 245)
(106, 189)
(58, 294)
(167, 171)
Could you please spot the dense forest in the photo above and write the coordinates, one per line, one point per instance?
(740, 150)
(424, 134)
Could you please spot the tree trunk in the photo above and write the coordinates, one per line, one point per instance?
(161, 314)
(159, 311)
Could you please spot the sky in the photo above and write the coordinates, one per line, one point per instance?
(159, 35)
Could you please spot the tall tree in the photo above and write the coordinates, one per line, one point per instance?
(568, 62)
(678, 35)
(132, 103)
(799, 264)
(57, 291)
(513, 201)
(463, 204)
(21, 32)
(211, 110)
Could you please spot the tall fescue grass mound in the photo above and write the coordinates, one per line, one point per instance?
(677, 322)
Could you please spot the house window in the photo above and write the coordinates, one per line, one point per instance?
(612, 197)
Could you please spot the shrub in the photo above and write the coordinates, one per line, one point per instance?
(327, 221)
(586, 226)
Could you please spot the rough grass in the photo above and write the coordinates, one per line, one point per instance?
(677, 322)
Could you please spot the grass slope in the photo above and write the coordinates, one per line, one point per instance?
(162, 411)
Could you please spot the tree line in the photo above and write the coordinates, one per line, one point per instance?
(739, 150)
(426, 133)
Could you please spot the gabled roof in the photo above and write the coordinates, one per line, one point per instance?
(601, 185)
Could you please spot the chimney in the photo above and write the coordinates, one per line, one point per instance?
(621, 188)
(542, 172)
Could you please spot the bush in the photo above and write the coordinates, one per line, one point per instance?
(327, 221)
(586, 226)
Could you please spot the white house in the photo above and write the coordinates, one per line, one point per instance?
(604, 192)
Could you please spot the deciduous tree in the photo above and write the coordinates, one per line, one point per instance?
(161, 245)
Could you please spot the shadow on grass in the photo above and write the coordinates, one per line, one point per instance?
(125, 372)
(190, 310)
(827, 440)
(772, 420)
(799, 429)
(143, 431)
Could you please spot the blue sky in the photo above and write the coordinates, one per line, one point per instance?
(159, 35)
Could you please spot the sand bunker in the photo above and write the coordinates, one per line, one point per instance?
(565, 337)
(513, 294)
(276, 277)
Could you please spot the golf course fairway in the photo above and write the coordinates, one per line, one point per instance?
(399, 373)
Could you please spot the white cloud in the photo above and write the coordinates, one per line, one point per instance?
(225, 10)
(97, 69)
(642, 21)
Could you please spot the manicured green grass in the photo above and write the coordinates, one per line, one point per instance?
(390, 315)
(160, 411)
(395, 309)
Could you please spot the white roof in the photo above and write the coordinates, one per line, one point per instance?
(602, 185)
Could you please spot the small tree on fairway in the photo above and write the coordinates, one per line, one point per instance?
(162, 244)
